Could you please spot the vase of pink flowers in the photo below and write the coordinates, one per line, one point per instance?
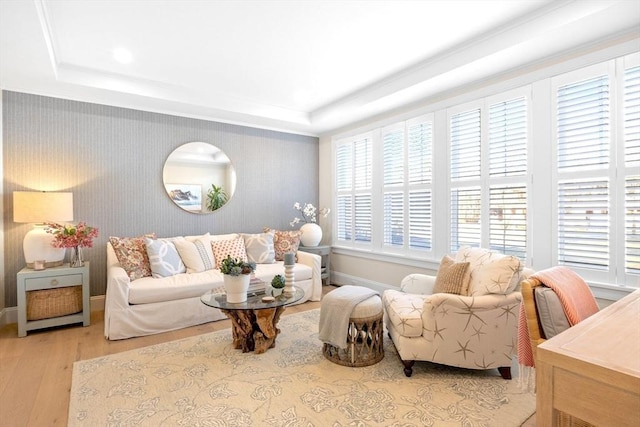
(74, 237)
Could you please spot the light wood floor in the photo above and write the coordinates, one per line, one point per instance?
(35, 371)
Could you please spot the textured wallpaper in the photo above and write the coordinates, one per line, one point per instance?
(112, 159)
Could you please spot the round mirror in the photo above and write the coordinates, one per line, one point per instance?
(199, 177)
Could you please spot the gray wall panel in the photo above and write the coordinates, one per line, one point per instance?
(112, 158)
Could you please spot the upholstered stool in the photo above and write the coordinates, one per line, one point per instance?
(364, 336)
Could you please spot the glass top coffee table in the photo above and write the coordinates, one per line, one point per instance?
(253, 321)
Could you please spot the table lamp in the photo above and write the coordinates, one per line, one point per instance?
(38, 207)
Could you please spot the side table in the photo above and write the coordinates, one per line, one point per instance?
(325, 265)
(52, 278)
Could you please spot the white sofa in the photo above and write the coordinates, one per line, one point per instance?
(150, 305)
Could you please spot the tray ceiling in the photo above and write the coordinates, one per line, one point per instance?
(304, 67)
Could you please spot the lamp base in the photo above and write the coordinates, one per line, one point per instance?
(37, 247)
(32, 266)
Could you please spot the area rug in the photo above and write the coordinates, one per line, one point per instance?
(203, 381)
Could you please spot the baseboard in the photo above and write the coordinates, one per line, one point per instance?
(10, 314)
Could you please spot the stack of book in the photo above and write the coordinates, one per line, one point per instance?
(256, 286)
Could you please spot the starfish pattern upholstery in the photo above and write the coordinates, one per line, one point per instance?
(474, 331)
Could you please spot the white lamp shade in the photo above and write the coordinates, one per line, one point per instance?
(40, 207)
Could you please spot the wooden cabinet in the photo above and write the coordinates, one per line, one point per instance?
(591, 371)
(62, 285)
(325, 255)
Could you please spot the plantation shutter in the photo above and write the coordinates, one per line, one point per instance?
(419, 153)
(583, 125)
(583, 223)
(631, 118)
(465, 160)
(583, 144)
(632, 225)
(508, 220)
(419, 149)
(393, 179)
(508, 138)
(353, 183)
(465, 145)
(420, 220)
(362, 165)
(508, 158)
(465, 217)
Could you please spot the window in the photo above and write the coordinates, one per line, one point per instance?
(597, 183)
(495, 130)
(406, 171)
(550, 170)
(353, 183)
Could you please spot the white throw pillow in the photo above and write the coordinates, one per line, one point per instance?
(489, 272)
(260, 248)
(163, 258)
(194, 255)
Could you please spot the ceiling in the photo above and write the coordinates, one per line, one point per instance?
(305, 67)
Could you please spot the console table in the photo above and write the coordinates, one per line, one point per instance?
(591, 371)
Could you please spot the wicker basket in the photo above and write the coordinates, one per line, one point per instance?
(47, 303)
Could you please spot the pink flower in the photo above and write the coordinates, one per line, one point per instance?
(70, 236)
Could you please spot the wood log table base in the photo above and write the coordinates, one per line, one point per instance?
(254, 330)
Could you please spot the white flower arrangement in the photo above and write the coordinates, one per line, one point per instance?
(309, 213)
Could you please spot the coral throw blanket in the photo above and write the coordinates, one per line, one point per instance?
(576, 299)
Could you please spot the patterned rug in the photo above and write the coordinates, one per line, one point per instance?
(203, 381)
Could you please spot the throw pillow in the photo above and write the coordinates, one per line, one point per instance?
(285, 241)
(491, 273)
(132, 255)
(163, 258)
(233, 248)
(194, 255)
(205, 240)
(260, 248)
(450, 277)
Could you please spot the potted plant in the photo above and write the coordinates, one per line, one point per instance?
(277, 283)
(216, 197)
(237, 275)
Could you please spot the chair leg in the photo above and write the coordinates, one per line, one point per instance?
(505, 371)
(408, 367)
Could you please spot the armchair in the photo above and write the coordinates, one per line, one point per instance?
(475, 327)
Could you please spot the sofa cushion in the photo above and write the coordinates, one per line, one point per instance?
(150, 290)
(489, 272)
(194, 254)
(550, 311)
(132, 255)
(284, 241)
(164, 259)
(450, 277)
(260, 248)
(233, 248)
(404, 311)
